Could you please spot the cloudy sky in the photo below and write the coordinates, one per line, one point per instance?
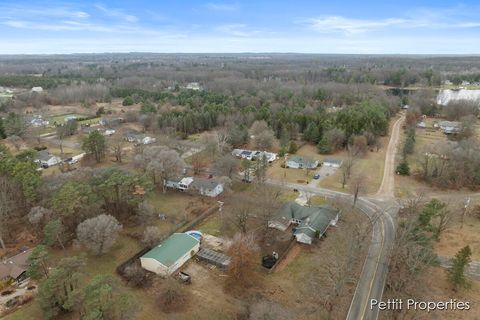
(431, 27)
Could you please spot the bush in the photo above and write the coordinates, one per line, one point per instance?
(292, 147)
(128, 101)
(403, 168)
(136, 276)
(173, 297)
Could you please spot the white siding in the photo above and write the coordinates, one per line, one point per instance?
(303, 238)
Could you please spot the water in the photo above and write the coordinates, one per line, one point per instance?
(446, 96)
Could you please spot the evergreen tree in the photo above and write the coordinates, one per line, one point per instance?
(95, 144)
(37, 262)
(456, 273)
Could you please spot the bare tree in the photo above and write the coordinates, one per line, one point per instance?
(162, 164)
(358, 185)
(347, 166)
(241, 271)
(222, 138)
(263, 136)
(226, 166)
(198, 163)
(116, 147)
(99, 233)
(151, 236)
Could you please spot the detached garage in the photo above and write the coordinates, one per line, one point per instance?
(171, 254)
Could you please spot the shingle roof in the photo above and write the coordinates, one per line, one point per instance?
(173, 248)
(303, 161)
(336, 161)
(204, 184)
(317, 218)
(14, 266)
(43, 155)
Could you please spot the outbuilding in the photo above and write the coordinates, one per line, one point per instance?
(334, 163)
(171, 254)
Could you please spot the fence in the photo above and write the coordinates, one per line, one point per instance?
(185, 226)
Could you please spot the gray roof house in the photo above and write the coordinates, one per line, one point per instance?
(15, 267)
(210, 188)
(298, 162)
(335, 163)
(312, 222)
(45, 158)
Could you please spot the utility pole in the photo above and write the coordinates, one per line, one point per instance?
(464, 213)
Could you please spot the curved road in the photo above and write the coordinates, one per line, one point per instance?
(381, 209)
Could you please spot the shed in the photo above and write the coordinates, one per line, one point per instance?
(334, 163)
(171, 254)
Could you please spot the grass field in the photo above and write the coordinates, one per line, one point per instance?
(371, 166)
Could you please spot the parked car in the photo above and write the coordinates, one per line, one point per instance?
(316, 176)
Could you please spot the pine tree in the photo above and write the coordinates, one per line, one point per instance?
(456, 272)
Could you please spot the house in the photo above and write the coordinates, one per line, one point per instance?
(449, 127)
(297, 162)
(37, 89)
(111, 121)
(193, 86)
(179, 183)
(38, 121)
(45, 159)
(421, 125)
(70, 117)
(312, 222)
(108, 132)
(254, 155)
(209, 188)
(139, 138)
(406, 107)
(15, 267)
(334, 163)
(171, 254)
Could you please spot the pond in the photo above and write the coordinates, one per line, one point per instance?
(446, 96)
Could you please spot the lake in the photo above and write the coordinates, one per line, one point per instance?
(446, 96)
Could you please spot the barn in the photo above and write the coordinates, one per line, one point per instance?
(171, 254)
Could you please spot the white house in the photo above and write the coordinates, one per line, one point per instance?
(334, 163)
(108, 132)
(254, 155)
(44, 158)
(139, 138)
(37, 89)
(38, 121)
(193, 86)
(179, 183)
(209, 188)
(171, 254)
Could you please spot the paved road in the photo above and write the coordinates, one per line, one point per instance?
(374, 272)
(381, 209)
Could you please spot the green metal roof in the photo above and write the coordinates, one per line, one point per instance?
(170, 250)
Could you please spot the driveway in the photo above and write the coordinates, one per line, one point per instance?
(324, 172)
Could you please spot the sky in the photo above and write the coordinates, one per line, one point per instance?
(351, 27)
